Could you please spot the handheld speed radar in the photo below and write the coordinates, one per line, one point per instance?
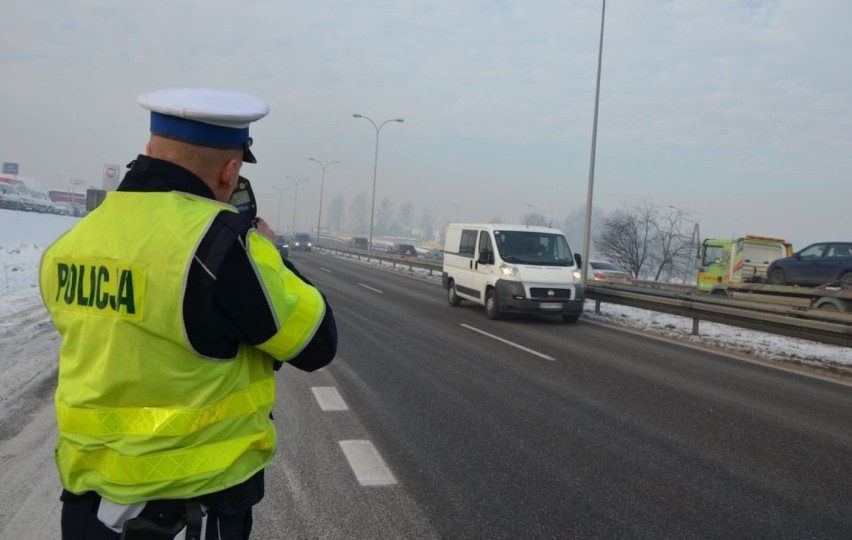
(244, 201)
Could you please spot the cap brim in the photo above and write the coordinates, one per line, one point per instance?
(248, 157)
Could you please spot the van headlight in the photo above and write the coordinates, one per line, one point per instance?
(577, 275)
(508, 270)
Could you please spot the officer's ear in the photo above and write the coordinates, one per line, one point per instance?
(228, 178)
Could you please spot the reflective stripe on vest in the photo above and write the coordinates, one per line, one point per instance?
(298, 307)
(164, 467)
(162, 421)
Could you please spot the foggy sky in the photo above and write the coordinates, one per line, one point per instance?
(737, 111)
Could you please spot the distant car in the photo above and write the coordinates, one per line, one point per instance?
(27, 200)
(605, 271)
(302, 242)
(359, 242)
(283, 245)
(435, 255)
(10, 198)
(403, 250)
(825, 263)
(42, 203)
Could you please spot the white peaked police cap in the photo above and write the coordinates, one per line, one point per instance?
(205, 116)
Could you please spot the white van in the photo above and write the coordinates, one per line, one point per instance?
(512, 268)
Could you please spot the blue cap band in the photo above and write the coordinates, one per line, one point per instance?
(192, 131)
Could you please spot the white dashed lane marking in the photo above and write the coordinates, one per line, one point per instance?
(366, 463)
(329, 399)
(372, 289)
(326, 270)
(507, 342)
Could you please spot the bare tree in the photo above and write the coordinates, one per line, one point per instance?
(624, 240)
(406, 217)
(647, 240)
(336, 213)
(359, 214)
(427, 227)
(673, 244)
(384, 213)
(533, 218)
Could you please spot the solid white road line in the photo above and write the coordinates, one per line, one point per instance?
(366, 463)
(326, 270)
(372, 289)
(507, 342)
(329, 399)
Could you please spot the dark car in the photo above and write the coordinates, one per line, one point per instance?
(359, 242)
(826, 263)
(302, 242)
(403, 250)
(605, 271)
(283, 245)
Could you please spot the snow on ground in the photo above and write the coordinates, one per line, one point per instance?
(24, 235)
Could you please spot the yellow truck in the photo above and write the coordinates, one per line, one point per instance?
(736, 267)
(726, 261)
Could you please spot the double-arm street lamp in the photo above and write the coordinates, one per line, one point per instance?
(322, 185)
(375, 166)
(296, 198)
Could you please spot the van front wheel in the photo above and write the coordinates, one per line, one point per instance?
(492, 306)
(452, 298)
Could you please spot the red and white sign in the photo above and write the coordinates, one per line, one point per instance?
(111, 177)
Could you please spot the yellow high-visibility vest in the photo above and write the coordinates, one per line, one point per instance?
(141, 415)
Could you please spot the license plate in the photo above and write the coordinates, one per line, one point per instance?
(550, 305)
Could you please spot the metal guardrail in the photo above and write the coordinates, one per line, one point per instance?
(434, 267)
(818, 325)
(813, 324)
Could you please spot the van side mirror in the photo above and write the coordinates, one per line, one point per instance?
(578, 259)
(486, 257)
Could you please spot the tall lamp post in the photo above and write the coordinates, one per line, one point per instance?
(280, 190)
(322, 185)
(586, 239)
(296, 199)
(375, 166)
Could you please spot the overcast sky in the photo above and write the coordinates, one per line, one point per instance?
(738, 111)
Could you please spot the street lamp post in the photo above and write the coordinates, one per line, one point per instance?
(375, 166)
(296, 199)
(587, 238)
(322, 185)
(280, 191)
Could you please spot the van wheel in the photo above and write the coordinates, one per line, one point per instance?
(452, 298)
(778, 277)
(570, 318)
(492, 306)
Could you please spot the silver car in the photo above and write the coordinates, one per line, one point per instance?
(605, 271)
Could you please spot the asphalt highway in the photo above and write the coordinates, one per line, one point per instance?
(435, 422)
(531, 428)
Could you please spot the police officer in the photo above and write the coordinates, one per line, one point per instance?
(174, 312)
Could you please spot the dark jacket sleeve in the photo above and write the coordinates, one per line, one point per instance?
(232, 308)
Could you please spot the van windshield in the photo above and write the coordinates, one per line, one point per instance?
(530, 247)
